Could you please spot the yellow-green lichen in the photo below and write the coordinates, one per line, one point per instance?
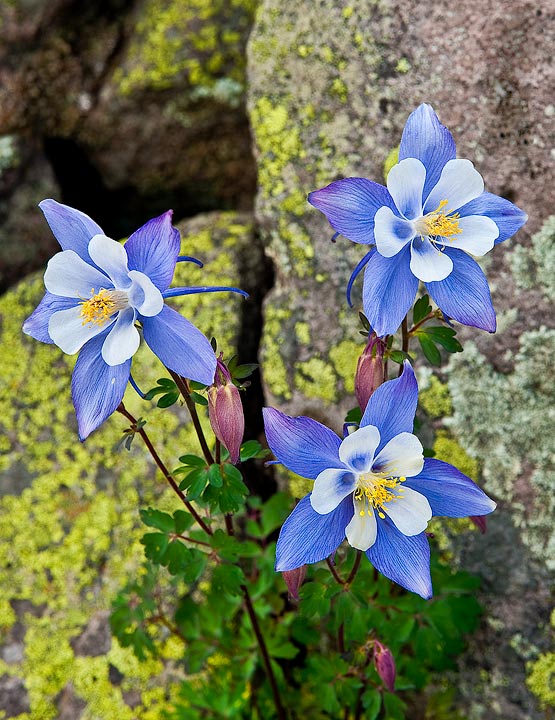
(534, 266)
(435, 399)
(199, 39)
(315, 378)
(344, 357)
(391, 160)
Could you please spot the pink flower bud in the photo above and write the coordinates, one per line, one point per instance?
(370, 371)
(225, 411)
(294, 579)
(480, 522)
(385, 665)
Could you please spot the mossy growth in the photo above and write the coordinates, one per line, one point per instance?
(541, 677)
(534, 267)
(201, 41)
(69, 511)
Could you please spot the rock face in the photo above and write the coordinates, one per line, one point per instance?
(330, 87)
(69, 523)
(127, 108)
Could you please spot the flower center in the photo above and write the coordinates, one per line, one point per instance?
(436, 223)
(375, 490)
(102, 305)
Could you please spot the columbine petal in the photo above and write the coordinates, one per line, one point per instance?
(72, 228)
(67, 330)
(350, 206)
(307, 537)
(96, 388)
(123, 339)
(405, 182)
(330, 487)
(70, 276)
(401, 457)
(361, 532)
(427, 262)
(426, 139)
(392, 406)
(144, 296)
(403, 559)
(459, 183)
(410, 513)
(508, 217)
(464, 295)
(392, 233)
(388, 292)
(36, 324)
(478, 235)
(303, 445)
(111, 257)
(358, 449)
(180, 345)
(449, 492)
(153, 249)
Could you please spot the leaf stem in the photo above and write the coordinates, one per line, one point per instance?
(405, 341)
(429, 316)
(185, 391)
(163, 469)
(354, 569)
(334, 572)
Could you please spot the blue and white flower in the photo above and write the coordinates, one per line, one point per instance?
(97, 290)
(424, 226)
(373, 488)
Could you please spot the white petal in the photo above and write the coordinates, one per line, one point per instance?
(405, 183)
(411, 513)
(144, 296)
(477, 237)
(427, 262)
(459, 183)
(123, 339)
(111, 256)
(330, 488)
(68, 332)
(392, 233)
(401, 457)
(357, 449)
(361, 532)
(70, 276)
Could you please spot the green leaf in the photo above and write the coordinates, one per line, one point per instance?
(195, 482)
(253, 449)
(422, 308)
(274, 512)
(183, 521)
(192, 460)
(394, 707)
(429, 349)
(445, 337)
(364, 321)
(354, 415)
(228, 579)
(157, 519)
(399, 356)
(372, 703)
(199, 399)
(167, 400)
(155, 391)
(215, 476)
(244, 371)
(155, 545)
(197, 385)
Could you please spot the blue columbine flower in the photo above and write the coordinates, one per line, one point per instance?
(374, 487)
(96, 291)
(433, 212)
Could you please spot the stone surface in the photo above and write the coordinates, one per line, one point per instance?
(121, 109)
(69, 538)
(330, 87)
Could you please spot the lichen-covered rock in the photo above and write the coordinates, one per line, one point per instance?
(137, 107)
(69, 512)
(330, 87)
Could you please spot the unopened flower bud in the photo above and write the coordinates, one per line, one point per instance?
(294, 579)
(370, 371)
(385, 665)
(225, 411)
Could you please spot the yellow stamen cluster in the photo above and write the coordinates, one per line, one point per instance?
(375, 490)
(101, 306)
(436, 223)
